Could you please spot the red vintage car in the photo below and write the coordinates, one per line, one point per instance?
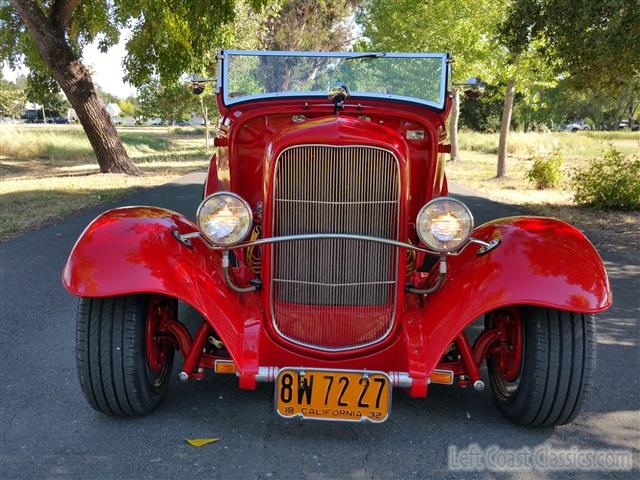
(327, 258)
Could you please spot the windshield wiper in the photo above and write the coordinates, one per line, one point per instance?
(366, 55)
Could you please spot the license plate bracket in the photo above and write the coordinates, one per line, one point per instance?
(332, 394)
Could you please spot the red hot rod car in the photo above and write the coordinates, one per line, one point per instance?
(328, 259)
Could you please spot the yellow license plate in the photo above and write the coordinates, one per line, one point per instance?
(344, 395)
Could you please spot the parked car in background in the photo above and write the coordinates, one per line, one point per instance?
(576, 126)
(328, 259)
(61, 120)
(182, 123)
(124, 121)
(624, 125)
(39, 120)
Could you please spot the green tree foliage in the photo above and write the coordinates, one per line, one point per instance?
(128, 106)
(465, 29)
(597, 42)
(172, 102)
(302, 25)
(171, 38)
(42, 89)
(12, 99)
(308, 25)
(594, 44)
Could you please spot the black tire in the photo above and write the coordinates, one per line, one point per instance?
(111, 356)
(557, 371)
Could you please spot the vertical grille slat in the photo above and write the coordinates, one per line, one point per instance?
(335, 294)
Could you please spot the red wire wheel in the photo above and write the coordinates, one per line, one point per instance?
(123, 357)
(507, 356)
(159, 346)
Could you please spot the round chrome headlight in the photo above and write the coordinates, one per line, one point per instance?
(444, 224)
(224, 218)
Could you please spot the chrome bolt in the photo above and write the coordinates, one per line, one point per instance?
(183, 376)
(478, 385)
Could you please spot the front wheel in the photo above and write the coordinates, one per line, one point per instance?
(114, 341)
(546, 379)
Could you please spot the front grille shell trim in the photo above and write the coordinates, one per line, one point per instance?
(393, 319)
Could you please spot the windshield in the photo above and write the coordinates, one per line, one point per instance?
(419, 78)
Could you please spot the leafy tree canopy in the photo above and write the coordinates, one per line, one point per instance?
(167, 38)
(468, 30)
(12, 99)
(593, 42)
(172, 102)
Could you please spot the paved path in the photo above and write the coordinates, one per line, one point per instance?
(48, 431)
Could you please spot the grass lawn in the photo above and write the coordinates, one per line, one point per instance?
(48, 172)
(477, 169)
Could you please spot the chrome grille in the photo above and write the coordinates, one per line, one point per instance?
(335, 294)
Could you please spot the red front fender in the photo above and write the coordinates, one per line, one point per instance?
(540, 261)
(132, 250)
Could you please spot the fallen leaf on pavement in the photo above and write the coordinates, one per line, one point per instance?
(199, 442)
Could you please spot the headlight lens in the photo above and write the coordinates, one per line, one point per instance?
(224, 218)
(444, 224)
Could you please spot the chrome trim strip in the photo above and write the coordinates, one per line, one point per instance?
(390, 242)
(319, 202)
(398, 379)
(354, 284)
(299, 53)
(223, 79)
(319, 236)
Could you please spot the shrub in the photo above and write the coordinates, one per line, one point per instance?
(546, 171)
(612, 182)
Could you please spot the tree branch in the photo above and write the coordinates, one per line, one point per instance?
(62, 11)
(33, 17)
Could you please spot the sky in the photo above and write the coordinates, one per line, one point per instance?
(106, 67)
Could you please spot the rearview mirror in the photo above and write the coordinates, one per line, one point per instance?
(473, 87)
(197, 87)
(198, 83)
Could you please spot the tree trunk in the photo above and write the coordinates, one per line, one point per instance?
(75, 81)
(504, 127)
(453, 124)
(632, 112)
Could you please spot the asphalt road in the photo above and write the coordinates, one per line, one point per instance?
(48, 431)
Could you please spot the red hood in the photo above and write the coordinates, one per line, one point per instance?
(339, 130)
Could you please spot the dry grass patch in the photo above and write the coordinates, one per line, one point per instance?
(61, 176)
(477, 169)
(576, 147)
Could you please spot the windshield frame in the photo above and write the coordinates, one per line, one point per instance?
(223, 75)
